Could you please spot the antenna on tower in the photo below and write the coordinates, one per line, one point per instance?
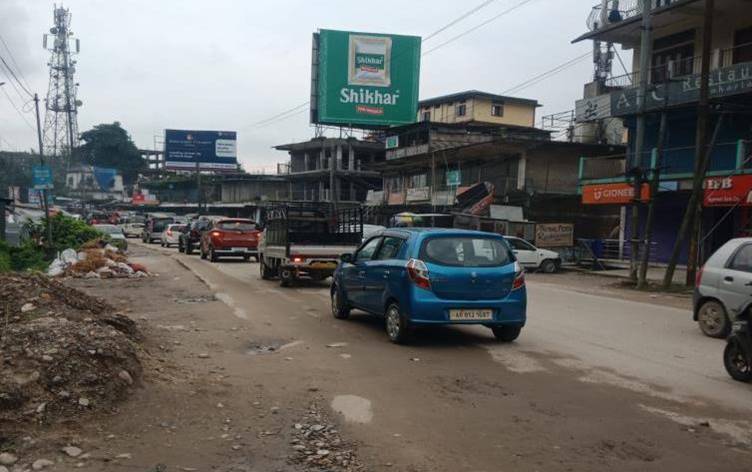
(61, 117)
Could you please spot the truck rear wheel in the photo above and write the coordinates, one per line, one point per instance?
(286, 278)
(267, 272)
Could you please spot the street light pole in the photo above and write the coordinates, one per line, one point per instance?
(45, 203)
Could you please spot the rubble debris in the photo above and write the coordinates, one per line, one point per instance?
(95, 262)
(62, 358)
(318, 445)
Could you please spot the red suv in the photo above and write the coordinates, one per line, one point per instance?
(230, 237)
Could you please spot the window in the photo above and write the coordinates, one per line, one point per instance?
(673, 56)
(389, 249)
(520, 245)
(237, 226)
(426, 116)
(417, 181)
(742, 259)
(497, 109)
(366, 251)
(465, 251)
(461, 109)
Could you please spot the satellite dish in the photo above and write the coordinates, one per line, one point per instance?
(79, 103)
(53, 30)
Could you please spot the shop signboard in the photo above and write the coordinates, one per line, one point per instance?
(621, 193)
(418, 194)
(732, 190)
(211, 150)
(554, 235)
(41, 177)
(453, 178)
(364, 79)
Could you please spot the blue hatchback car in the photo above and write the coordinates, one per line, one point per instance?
(420, 276)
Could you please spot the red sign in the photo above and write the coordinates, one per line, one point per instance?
(612, 194)
(732, 190)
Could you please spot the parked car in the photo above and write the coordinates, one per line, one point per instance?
(230, 237)
(371, 230)
(723, 287)
(115, 234)
(171, 235)
(133, 230)
(190, 238)
(154, 227)
(531, 257)
(419, 276)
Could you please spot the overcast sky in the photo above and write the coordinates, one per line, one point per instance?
(227, 64)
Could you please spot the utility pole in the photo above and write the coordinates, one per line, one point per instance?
(646, 54)
(692, 216)
(45, 203)
(199, 195)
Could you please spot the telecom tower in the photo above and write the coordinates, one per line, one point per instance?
(61, 117)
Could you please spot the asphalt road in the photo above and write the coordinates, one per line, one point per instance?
(593, 381)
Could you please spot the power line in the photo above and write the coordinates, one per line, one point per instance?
(283, 113)
(493, 18)
(458, 19)
(540, 77)
(2, 59)
(17, 110)
(13, 60)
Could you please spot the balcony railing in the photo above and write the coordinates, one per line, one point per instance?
(620, 10)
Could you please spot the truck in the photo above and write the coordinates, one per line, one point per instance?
(304, 241)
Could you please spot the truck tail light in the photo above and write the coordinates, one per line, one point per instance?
(519, 277)
(169, 232)
(698, 277)
(298, 259)
(418, 273)
(216, 234)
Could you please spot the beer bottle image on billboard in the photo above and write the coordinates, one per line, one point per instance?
(370, 61)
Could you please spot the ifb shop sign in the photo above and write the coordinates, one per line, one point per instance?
(732, 190)
(364, 79)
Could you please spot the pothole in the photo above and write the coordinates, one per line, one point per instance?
(191, 300)
(255, 347)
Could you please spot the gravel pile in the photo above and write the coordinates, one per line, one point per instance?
(317, 444)
(62, 352)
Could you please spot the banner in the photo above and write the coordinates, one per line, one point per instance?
(612, 194)
(733, 190)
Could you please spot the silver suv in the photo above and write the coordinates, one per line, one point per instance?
(723, 289)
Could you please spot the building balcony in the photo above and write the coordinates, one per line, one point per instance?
(620, 21)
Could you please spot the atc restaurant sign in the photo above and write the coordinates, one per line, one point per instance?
(733, 190)
(724, 82)
(612, 194)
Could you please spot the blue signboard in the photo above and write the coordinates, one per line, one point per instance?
(105, 178)
(211, 150)
(453, 178)
(41, 177)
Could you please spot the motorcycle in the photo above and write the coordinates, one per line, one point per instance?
(737, 356)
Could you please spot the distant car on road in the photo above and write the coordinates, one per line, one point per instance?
(531, 257)
(234, 237)
(133, 230)
(154, 228)
(419, 276)
(171, 235)
(115, 233)
(723, 288)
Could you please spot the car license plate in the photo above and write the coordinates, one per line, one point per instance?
(470, 315)
(238, 249)
(323, 265)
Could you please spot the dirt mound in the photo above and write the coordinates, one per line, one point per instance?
(62, 352)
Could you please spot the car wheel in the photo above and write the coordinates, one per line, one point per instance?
(397, 326)
(736, 361)
(188, 249)
(548, 266)
(713, 320)
(212, 255)
(266, 272)
(286, 278)
(180, 247)
(203, 253)
(340, 310)
(506, 334)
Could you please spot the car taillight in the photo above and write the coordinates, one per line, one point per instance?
(698, 277)
(169, 232)
(519, 277)
(216, 234)
(298, 259)
(418, 273)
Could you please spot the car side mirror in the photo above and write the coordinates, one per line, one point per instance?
(348, 258)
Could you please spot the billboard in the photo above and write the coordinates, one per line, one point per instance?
(612, 194)
(731, 190)
(364, 79)
(212, 150)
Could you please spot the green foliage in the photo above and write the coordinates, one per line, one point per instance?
(26, 257)
(67, 232)
(108, 145)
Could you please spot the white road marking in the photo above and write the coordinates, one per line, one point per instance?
(740, 431)
(514, 360)
(230, 302)
(290, 344)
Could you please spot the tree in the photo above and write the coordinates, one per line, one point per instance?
(108, 145)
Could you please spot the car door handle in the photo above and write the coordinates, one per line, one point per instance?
(728, 279)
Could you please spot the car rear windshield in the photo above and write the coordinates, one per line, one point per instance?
(236, 225)
(161, 224)
(465, 251)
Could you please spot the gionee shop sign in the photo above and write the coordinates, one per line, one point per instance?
(612, 194)
(364, 79)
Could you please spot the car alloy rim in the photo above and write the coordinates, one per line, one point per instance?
(392, 323)
(711, 318)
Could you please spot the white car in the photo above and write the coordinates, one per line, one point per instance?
(171, 235)
(531, 257)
